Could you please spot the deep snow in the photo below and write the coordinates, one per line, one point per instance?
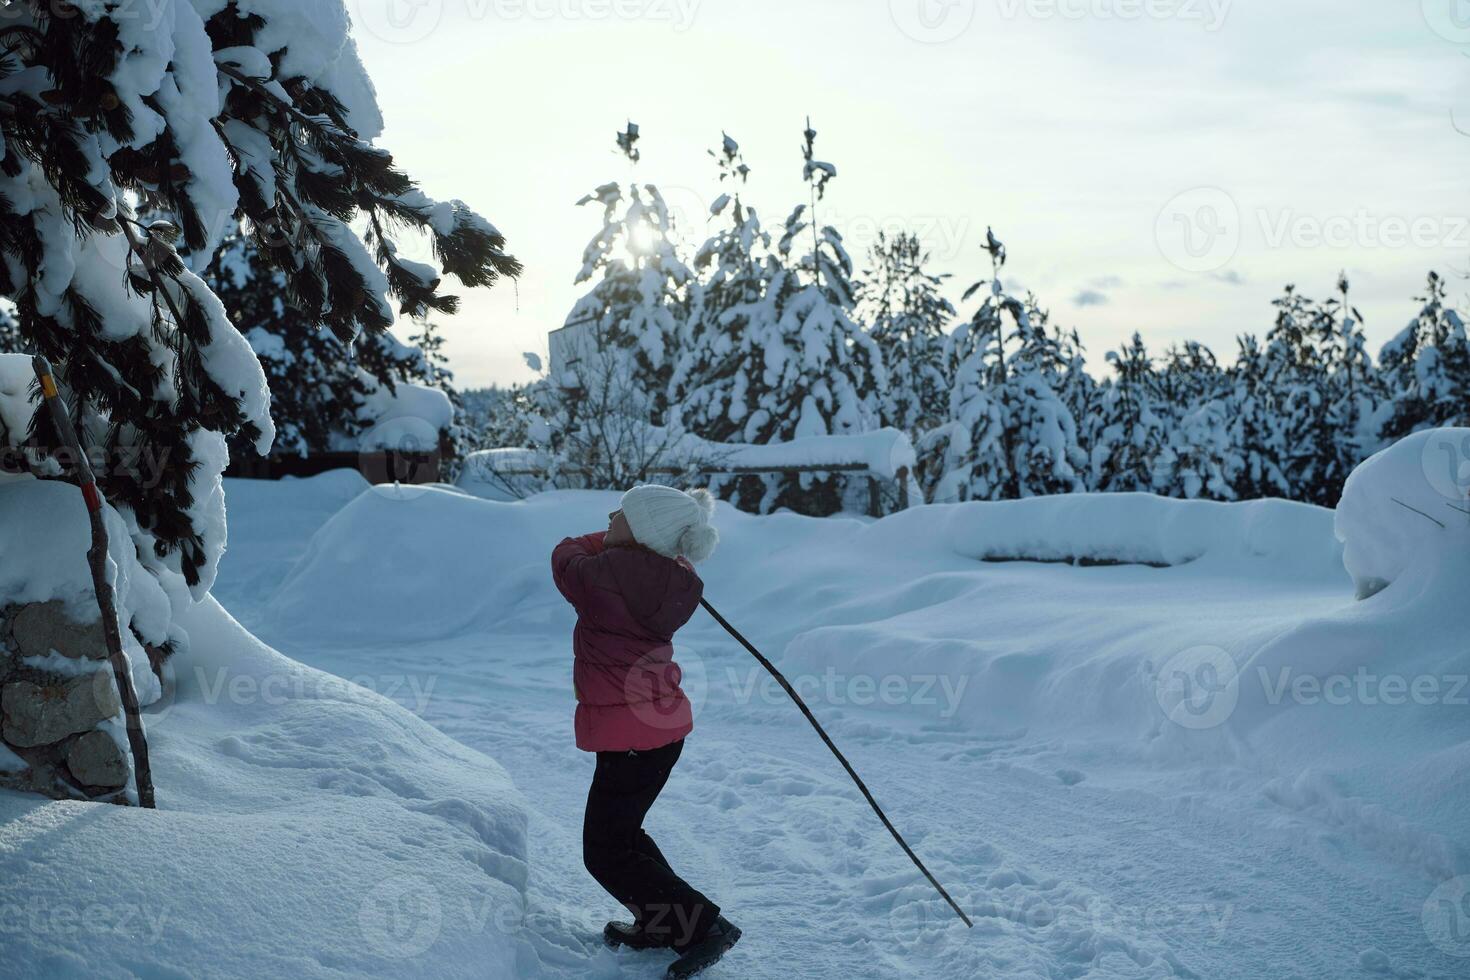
(1200, 769)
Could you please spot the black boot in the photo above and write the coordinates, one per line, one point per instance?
(705, 951)
(634, 936)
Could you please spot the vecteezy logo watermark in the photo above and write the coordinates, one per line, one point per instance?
(1363, 229)
(401, 917)
(944, 237)
(1446, 461)
(1364, 687)
(857, 690)
(1446, 917)
(1199, 230)
(1198, 688)
(398, 21)
(932, 21)
(1450, 19)
(410, 21)
(65, 924)
(398, 455)
(1210, 14)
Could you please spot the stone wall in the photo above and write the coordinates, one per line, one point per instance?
(56, 690)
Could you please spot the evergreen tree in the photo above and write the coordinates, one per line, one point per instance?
(713, 379)
(908, 319)
(319, 386)
(11, 341)
(1195, 390)
(1349, 395)
(1255, 446)
(1427, 368)
(432, 366)
(213, 119)
(636, 304)
(1046, 450)
(1296, 382)
(1010, 433)
(1132, 450)
(805, 366)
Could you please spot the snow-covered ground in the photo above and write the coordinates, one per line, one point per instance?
(1202, 758)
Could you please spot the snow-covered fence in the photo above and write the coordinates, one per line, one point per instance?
(870, 473)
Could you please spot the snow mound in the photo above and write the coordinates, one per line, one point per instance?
(1405, 508)
(43, 557)
(306, 827)
(1127, 529)
(416, 563)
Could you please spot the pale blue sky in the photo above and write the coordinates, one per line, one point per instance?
(1317, 133)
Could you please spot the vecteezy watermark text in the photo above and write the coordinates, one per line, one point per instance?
(1209, 14)
(856, 690)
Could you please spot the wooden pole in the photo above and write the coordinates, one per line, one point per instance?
(851, 772)
(106, 602)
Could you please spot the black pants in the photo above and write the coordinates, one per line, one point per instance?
(625, 860)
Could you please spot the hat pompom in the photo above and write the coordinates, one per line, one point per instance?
(698, 541)
(705, 500)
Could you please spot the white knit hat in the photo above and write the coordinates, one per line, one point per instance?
(672, 522)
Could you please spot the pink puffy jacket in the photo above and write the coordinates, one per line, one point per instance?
(629, 602)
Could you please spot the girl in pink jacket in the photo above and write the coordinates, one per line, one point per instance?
(633, 586)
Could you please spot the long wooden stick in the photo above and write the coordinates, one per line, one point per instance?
(106, 602)
(858, 780)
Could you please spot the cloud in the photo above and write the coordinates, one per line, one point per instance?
(1090, 297)
(1230, 277)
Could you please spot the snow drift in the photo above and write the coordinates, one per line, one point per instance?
(1248, 602)
(1406, 509)
(306, 827)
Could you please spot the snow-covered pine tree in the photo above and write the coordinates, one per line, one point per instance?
(1297, 377)
(1131, 450)
(712, 380)
(258, 111)
(314, 388)
(968, 458)
(1010, 432)
(823, 373)
(908, 318)
(10, 339)
(1194, 389)
(637, 303)
(1426, 368)
(1350, 392)
(1046, 452)
(1255, 447)
(432, 367)
(809, 368)
(1078, 390)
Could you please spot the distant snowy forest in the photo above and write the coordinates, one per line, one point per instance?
(757, 336)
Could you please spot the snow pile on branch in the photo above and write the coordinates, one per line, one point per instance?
(1405, 507)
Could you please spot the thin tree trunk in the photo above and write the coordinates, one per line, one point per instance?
(106, 602)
